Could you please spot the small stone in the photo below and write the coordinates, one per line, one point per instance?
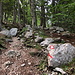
(54, 73)
(9, 40)
(29, 63)
(12, 53)
(58, 32)
(22, 65)
(29, 34)
(47, 41)
(60, 70)
(18, 38)
(66, 33)
(7, 63)
(38, 39)
(72, 42)
(60, 29)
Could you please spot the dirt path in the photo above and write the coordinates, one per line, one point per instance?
(22, 65)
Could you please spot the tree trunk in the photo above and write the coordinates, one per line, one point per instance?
(24, 20)
(33, 12)
(43, 21)
(19, 14)
(0, 15)
(14, 13)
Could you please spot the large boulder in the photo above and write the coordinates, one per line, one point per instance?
(38, 39)
(60, 54)
(5, 32)
(29, 34)
(13, 31)
(46, 42)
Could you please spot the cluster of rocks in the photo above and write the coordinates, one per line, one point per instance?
(62, 53)
(59, 30)
(58, 54)
(9, 33)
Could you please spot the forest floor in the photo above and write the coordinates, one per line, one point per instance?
(25, 58)
(25, 64)
(67, 39)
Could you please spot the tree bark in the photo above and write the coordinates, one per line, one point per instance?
(19, 14)
(14, 13)
(43, 20)
(33, 12)
(0, 15)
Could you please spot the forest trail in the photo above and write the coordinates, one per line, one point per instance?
(23, 64)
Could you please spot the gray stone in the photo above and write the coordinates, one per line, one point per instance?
(29, 34)
(60, 29)
(52, 28)
(58, 32)
(22, 65)
(53, 31)
(28, 27)
(29, 63)
(66, 33)
(13, 31)
(38, 39)
(46, 42)
(61, 54)
(9, 40)
(7, 63)
(57, 69)
(5, 32)
(12, 53)
(57, 39)
(56, 28)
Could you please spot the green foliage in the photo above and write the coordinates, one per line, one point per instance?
(63, 14)
(23, 30)
(38, 47)
(42, 65)
(2, 42)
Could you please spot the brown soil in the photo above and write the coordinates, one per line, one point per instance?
(25, 58)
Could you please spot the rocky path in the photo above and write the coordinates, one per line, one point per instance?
(16, 60)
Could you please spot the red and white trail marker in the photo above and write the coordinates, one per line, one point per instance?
(50, 55)
(51, 47)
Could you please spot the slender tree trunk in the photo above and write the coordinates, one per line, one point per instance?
(46, 13)
(33, 12)
(43, 21)
(24, 20)
(14, 13)
(19, 14)
(0, 15)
